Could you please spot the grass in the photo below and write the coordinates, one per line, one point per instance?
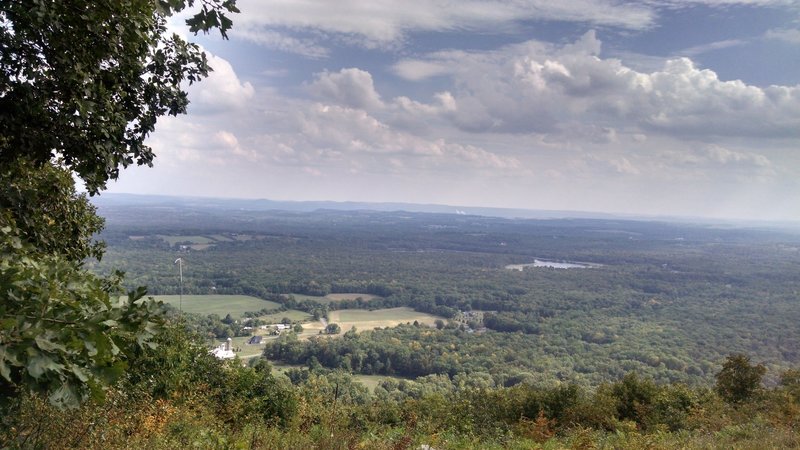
(199, 242)
(248, 351)
(172, 240)
(372, 381)
(293, 315)
(351, 296)
(235, 305)
(380, 318)
(335, 297)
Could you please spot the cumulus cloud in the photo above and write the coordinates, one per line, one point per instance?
(228, 142)
(723, 155)
(325, 135)
(349, 87)
(542, 88)
(221, 92)
(717, 161)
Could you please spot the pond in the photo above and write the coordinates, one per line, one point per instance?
(551, 264)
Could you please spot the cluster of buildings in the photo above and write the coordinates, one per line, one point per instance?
(225, 349)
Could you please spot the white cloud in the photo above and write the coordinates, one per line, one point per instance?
(325, 135)
(723, 155)
(349, 87)
(221, 92)
(228, 141)
(281, 41)
(386, 22)
(710, 47)
(790, 35)
(538, 87)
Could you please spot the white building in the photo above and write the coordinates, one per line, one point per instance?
(224, 351)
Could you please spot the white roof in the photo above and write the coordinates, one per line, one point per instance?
(221, 353)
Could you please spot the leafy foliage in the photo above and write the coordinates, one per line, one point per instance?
(87, 81)
(62, 329)
(82, 85)
(739, 380)
(47, 210)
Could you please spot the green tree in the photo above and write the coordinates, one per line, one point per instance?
(739, 380)
(333, 328)
(47, 210)
(82, 85)
(63, 331)
(87, 80)
(634, 396)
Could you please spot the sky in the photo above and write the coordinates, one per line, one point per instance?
(653, 107)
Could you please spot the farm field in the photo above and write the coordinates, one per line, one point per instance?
(199, 242)
(379, 318)
(172, 240)
(335, 297)
(292, 314)
(372, 381)
(247, 351)
(235, 305)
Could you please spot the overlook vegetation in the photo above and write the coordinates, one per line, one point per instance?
(674, 336)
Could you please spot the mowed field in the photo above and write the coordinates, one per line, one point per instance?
(335, 297)
(291, 314)
(380, 318)
(235, 305)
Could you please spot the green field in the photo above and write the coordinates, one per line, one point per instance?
(372, 381)
(335, 297)
(172, 240)
(235, 305)
(366, 320)
(293, 315)
(247, 351)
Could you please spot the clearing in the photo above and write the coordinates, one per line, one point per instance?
(292, 314)
(367, 320)
(335, 297)
(235, 305)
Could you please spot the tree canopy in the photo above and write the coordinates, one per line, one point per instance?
(86, 81)
(82, 85)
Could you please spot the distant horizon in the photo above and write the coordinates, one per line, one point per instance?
(669, 108)
(478, 210)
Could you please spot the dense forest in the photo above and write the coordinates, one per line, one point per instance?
(667, 300)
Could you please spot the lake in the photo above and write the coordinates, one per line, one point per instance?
(551, 264)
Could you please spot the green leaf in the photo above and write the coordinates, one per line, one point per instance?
(40, 364)
(5, 370)
(47, 345)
